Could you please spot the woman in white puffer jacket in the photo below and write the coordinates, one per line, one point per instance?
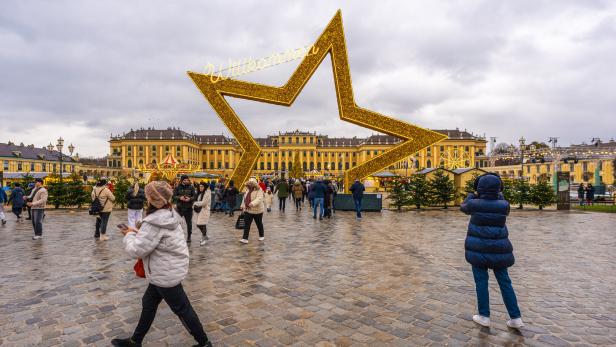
(160, 244)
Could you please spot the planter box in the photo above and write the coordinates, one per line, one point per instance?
(370, 202)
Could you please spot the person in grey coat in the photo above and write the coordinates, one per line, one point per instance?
(160, 243)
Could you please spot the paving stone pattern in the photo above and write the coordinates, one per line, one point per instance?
(392, 279)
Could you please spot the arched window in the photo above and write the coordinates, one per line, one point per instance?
(429, 163)
(129, 163)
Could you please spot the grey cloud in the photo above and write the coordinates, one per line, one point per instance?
(505, 68)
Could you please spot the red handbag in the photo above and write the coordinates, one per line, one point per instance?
(139, 269)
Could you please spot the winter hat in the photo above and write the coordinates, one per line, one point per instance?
(252, 182)
(158, 193)
(184, 177)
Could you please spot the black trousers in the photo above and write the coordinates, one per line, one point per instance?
(298, 203)
(187, 215)
(101, 223)
(282, 203)
(178, 302)
(203, 229)
(258, 218)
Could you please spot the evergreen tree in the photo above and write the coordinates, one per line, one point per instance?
(399, 194)
(442, 188)
(469, 186)
(297, 171)
(121, 188)
(77, 195)
(56, 191)
(418, 191)
(25, 180)
(542, 194)
(521, 192)
(508, 191)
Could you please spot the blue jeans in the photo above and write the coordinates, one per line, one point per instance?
(483, 296)
(319, 202)
(357, 207)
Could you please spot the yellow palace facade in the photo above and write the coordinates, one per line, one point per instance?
(318, 154)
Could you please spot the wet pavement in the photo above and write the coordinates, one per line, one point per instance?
(393, 278)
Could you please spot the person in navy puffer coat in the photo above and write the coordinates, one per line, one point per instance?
(487, 246)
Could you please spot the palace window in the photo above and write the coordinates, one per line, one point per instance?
(167, 149)
(31, 166)
(220, 165)
(346, 165)
(333, 165)
(297, 140)
(203, 165)
(211, 165)
(282, 140)
(269, 165)
(284, 165)
(290, 166)
(312, 140)
(153, 149)
(304, 153)
(311, 166)
(319, 166)
(275, 166)
(129, 150)
(354, 164)
(219, 151)
(129, 164)
(442, 148)
(429, 164)
(340, 166)
(304, 139)
(305, 166)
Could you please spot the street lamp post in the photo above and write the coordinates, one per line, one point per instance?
(522, 148)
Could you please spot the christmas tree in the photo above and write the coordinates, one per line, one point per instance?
(542, 194)
(399, 194)
(121, 188)
(418, 191)
(521, 192)
(442, 188)
(56, 191)
(296, 171)
(469, 186)
(76, 193)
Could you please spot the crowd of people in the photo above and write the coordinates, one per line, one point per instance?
(586, 194)
(157, 239)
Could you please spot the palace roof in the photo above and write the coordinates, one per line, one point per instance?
(21, 151)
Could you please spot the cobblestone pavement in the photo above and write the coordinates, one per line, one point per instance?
(392, 279)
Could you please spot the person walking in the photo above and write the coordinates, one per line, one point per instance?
(269, 199)
(30, 195)
(38, 203)
(318, 191)
(487, 246)
(329, 198)
(159, 243)
(4, 199)
(202, 209)
(231, 196)
(590, 194)
(581, 191)
(17, 199)
(252, 207)
(135, 196)
(106, 198)
(283, 192)
(357, 189)
(298, 193)
(184, 196)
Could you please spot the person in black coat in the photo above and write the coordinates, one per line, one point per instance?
(17, 198)
(230, 197)
(135, 197)
(590, 194)
(487, 246)
(184, 196)
(581, 191)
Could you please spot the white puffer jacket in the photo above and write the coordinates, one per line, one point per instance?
(161, 245)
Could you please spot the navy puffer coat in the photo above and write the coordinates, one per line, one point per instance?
(487, 241)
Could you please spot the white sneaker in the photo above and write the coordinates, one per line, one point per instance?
(481, 320)
(203, 241)
(36, 237)
(261, 238)
(515, 323)
(104, 237)
(244, 241)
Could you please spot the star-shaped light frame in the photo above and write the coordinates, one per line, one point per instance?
(331, 42)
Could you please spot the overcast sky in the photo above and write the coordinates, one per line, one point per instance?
(85, 69)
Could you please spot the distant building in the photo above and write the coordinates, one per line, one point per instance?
(219, 154)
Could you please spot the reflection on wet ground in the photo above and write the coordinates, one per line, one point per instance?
(392, 279)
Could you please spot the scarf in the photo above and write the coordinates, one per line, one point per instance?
(249, 196)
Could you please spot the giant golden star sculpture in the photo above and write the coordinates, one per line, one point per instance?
(331, 42)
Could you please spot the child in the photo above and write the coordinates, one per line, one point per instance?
(269, 199)
(487, 247)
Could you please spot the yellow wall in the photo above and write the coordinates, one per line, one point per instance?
(582, 171)
(335, 160)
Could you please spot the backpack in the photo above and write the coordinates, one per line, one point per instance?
(96, 208)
